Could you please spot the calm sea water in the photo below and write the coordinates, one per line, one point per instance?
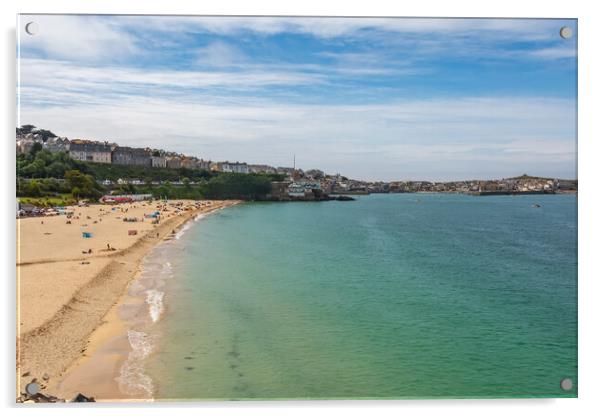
(389, 296)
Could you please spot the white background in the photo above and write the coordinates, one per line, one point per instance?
(590, 206)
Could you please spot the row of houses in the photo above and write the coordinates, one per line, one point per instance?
(105, 152)
(111, 153)
(54, 144)
(99, 152)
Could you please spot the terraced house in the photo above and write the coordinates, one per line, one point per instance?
(158, 160)
(230, 167)
(90, 151)
(131, 156)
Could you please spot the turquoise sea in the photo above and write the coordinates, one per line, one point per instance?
(388, 296)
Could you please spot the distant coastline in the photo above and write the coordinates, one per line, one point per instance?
(53, 170)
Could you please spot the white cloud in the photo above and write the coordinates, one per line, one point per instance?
(553, 53)
(62, 77)
(111, 38)
(220, 54)
(433, 139)
(348, 26)
(80, 38)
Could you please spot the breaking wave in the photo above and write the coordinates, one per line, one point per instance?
(183, 229)
(154, 299)
(132, 380)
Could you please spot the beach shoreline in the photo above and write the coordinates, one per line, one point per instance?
(84, 343)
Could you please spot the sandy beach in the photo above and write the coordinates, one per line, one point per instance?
(70, 288)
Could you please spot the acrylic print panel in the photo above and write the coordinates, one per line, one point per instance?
(216, 208)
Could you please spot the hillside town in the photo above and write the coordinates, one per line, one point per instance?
(297, 183)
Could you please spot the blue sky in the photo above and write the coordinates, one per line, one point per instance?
(370, 98)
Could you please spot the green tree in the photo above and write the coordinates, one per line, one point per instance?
(44, 155)
(76, 192)
(37, 146)
(35, 169)
(238, 186)
(46, 134)
(75, 178)
(25, 129)
(56, 169)
(33, 188)
(85, 184)
(160, 192)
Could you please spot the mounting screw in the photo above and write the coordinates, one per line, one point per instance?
(566, 32)
(566, 384)
(31, 28)
(32, 388)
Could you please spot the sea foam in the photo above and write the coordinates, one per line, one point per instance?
(131, 379)
(182, 230)
(154, 299)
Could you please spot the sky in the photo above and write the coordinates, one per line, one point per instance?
(369, 98)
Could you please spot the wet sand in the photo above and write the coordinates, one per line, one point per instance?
(69, 302)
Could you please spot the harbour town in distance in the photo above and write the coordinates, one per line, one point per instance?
(286, 183)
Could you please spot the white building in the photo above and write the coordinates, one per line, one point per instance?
(228, 167)
(204, 164)
(57, 144)
(24, 145)
(158, 161)
(174, 162)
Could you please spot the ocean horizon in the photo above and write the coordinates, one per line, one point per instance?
(388, 296)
